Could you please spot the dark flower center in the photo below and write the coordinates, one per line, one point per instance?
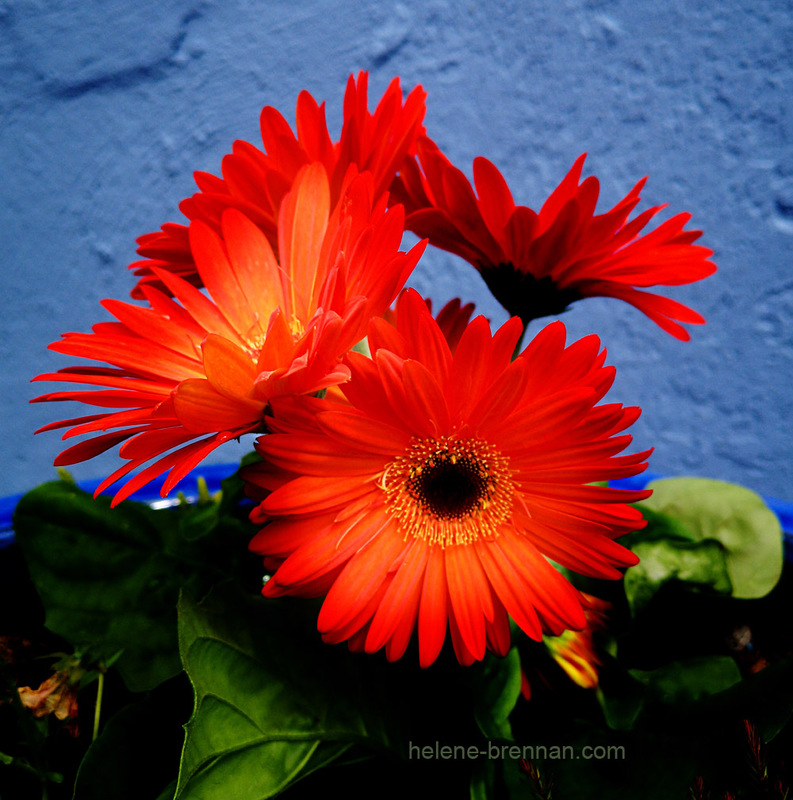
(449, 491)
(525, 296)
(449, 486)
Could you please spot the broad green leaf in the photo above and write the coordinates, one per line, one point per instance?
(621, 696)
(676, 722)
(734, 517)
(109, 579)
(135, 756)
(497, 684)
(660, 527)
(699, 564)
(708, 535)
(271, 702)
(639, 766)
(625, 696)
(765, 698)
(688, 681)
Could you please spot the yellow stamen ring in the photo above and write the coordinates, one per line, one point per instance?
(449, 491)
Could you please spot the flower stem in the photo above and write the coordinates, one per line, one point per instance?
(519, 343)
(98, 710)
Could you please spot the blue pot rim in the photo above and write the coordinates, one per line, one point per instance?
(213, 474)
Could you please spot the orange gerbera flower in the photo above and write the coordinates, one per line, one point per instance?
(256, 182)
(196, 365)
(435, 494)
(537, 263)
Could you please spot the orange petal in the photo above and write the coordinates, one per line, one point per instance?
(302, 222)
(202, 409)
(228, 367)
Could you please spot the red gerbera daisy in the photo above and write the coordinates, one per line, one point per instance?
(196, 365)
(537, 263)
(435, 495)
(256, 182)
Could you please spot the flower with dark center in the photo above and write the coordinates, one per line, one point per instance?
(537, 263)
(433, 495)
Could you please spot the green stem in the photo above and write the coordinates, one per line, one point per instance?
(519, 343)
(98, 710)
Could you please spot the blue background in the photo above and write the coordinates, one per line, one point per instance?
(108, 107)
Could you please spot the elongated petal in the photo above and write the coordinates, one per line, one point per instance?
(202, 409)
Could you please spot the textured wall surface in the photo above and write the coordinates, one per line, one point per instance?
(108, 106)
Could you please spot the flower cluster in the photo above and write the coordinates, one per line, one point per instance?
(426, 480)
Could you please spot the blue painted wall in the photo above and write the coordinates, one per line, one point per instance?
(108, 107)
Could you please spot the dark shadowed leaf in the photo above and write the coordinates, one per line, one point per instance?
(137, 753)
(272, 703)
(109, 579)
(497, 684)
(688, 681)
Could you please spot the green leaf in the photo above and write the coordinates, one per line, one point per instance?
(765, 698)
(137, 753)
(683, 682)
(699, 564)
(621, 696)
(483, 780)
(109, 579)
(626, 695)
(272, 704)
(649, 767)
(197, 522)
(683, 720)
(169, 792)
(497, 685)
(708, 535)
(659, 527)
(734, 517)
